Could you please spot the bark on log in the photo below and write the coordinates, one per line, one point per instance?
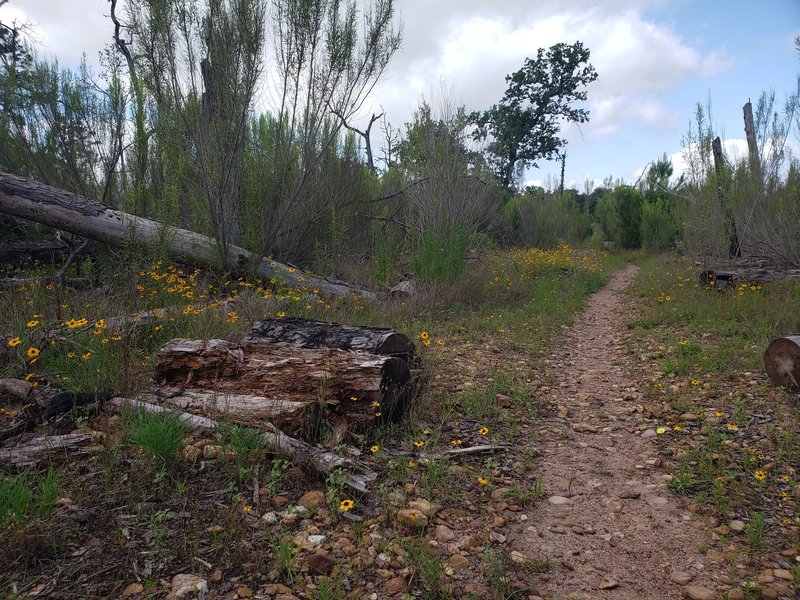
(252, 379)
(357, 475)
(782, 362)
(305, 333)
(29, 199)
(15, 252)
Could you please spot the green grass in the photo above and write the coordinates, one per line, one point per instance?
(28, 496)
(160, 435)
(702, 351)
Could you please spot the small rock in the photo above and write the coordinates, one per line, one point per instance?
(769, 593)
(783, 574)
(397, 585)
(312, 499)
(503, 401)
(608, 583)
(458, 561)
(444, 534)
(496, 537)
(216, 576)
(133, 588)
(411, 517)
(423, 506)
(584, 428)
(680, 577)
(244, 591)
(615, 506)
(270, 518)
(185, 585)
(279, 501)
(649, 433)
(498, 522)
(629, 494)
(320, 563)
(697, 592)
(559, 500)
(316, 540)
(215, 529)
(688, 416)
(737, 526)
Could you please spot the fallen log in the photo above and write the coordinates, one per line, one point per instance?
(41, 448)
(17, 252)
(356, 474)
(57, 208)
(15, 283)
(782, 362)
(297, 332)
(251, 379)
(62, 402)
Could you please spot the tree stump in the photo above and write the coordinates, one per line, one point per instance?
(782, 362)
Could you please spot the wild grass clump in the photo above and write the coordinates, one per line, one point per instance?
(28, 496)
(160, 435)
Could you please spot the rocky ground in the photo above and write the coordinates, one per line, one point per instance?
(573, 503)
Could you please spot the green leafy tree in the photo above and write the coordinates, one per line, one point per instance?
(524, 126)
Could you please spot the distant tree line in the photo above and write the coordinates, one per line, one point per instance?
(237, 118)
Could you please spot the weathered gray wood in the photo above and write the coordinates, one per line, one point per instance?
(38, 449)
(35, 201)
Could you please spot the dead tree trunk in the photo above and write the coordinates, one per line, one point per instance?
(297, 389)
(752, 145)
(734, 248)
(29, 199)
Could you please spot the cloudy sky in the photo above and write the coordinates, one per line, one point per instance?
(655, 60)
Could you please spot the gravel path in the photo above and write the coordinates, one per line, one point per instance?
(609, 524)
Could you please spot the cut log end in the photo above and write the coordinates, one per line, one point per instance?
(782, 362)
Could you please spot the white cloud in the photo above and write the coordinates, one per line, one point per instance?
(637, 60)
(65, 28)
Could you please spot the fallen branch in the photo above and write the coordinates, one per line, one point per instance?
(357, 475)
(29, 453)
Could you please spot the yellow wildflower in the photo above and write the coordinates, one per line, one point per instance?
(346, 505)
(14, 342)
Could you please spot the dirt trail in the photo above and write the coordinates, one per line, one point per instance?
(609, 523)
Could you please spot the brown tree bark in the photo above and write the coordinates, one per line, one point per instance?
(295, 388)
(57, 208)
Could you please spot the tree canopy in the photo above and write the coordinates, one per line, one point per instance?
(525, 125)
